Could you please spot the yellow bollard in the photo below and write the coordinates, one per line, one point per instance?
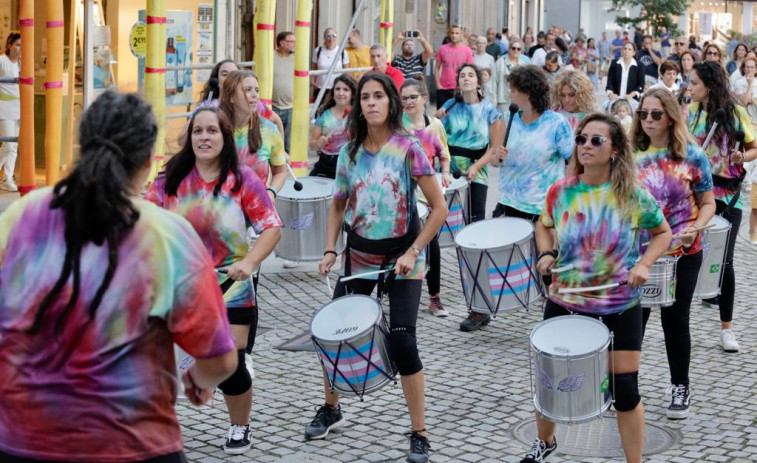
(389, 28)
(26, 91)
(53, 89)
(155, 74)
(382, 15)
(264, 43)
(301, 104)
(69, 148)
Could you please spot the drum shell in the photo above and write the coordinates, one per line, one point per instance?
(303, 236)
(553, 375)
(349, 363)
(458, 215)
(660, 288)
(714, 244)
(491, 292)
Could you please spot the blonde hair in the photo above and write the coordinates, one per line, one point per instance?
(623, 179)
(579, 83)
(618, 104)
(678, 133)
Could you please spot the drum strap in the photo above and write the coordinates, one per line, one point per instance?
(473, 155)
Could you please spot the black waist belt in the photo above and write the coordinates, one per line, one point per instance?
(732, 184)
(473, 155)
(389, 247)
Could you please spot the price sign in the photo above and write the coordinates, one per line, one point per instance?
(138, 39)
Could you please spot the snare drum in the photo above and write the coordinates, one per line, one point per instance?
(184, 362)
(496, 265)
(660, 288)
(305, 214)
(570, 374)
(350, 335)
(423, 212)
(714, 244)
(458, 205)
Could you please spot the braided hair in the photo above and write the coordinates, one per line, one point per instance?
(117, 134)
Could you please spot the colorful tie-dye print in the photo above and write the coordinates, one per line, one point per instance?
(599, 241)
(221, 221)
(535, 160)
(718, 150)
(573, 118)
(467, 126)
(271, 152)
(334, 129)
(433, 139)
(104, 390)
(378, 188)
(674, 183)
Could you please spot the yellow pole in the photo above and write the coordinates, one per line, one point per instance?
(26, 91)
(382, 15)
(301, 104)
(69, 148)
(155, 73)
(264, 43)
(389, 28)
(53, 89)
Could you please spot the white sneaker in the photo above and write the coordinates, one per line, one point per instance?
(9, 185)
(290, 264)
(728, 341)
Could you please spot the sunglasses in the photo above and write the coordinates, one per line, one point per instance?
(405, 99)
(680, 43)
(656, 115)
(712, 53)
(596, 140)
(516, 48)
(330, 36)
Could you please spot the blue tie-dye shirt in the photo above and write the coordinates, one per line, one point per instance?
(376, 187)
(467, 126)
(535, 160)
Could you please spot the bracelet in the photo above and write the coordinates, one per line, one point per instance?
(548, 252)
(272, 190)
(330, 252)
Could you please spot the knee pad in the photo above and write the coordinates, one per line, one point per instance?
(625, 389)
(240, 381)
(404, 350)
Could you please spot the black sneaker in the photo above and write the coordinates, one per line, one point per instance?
(711, 303)
(475, 321)
(326, 419)
(419, 448)
(679, 405)
(238, 441)
(539, 451)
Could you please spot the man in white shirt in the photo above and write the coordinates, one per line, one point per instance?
(10, 109)
(541, 53)
(322, 57)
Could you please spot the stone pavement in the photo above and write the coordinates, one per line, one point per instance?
(478, 390)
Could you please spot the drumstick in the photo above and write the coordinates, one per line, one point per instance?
(678, 235)
(297, 183)
(588, 289)
(328, 282)
(718, 116)
(562, 269)
(334, 130)
(361, 275)
(739, 135)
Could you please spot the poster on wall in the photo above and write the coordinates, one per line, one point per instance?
(705, 24)
(179, 52)
(204, 40)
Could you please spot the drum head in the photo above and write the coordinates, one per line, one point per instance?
(422, 210)
(459, 183)
(345, 317)
(569, 335)
(494, 233)
(312, 188)
(720, 223)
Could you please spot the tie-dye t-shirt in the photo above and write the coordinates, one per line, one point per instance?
(221, 220)
(467, 126)
(271, 152)
(535, 160)
(378, 188)
(433, 139)
(105, 389)
(600, 243)
(674, 183)
(334, 129)
(573, 118)
(718, 150)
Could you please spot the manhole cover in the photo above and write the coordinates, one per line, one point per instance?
(598, 438)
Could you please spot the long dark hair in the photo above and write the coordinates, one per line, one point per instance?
(713, 77)
(12, 37)
(213, 82)
(230, 85)
(117, 134)
(347, 80)
(182, 163)
(356, 125)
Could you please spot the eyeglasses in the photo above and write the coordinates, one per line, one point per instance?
(680, 43)
(656, 115)
(515, 49)
(596, 140)
(330, 36)
(712, 53)
(405, 99)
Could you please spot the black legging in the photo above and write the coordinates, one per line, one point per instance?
(477, 201)
(675, 319)
(728, 287)
(434, 274)
(404, 298)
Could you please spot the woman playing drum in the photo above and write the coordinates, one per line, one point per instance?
(677, 173)
(259, 143)
(374, 195)
(591, 220)
(329, 133)
(709, 91)
(433, 138)
(205, 183)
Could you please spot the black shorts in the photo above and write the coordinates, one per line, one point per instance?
(245, 316)
(170, 458)
(625, 326)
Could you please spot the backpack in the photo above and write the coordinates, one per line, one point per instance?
(318, 54)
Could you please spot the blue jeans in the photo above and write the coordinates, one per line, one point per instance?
(286, 121)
